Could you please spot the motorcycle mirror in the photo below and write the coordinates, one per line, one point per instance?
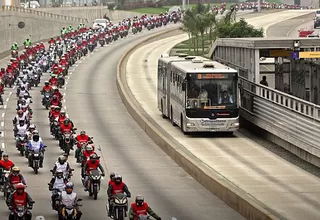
(79, 200)
(44, 146)
(71, 169)
(91, 137)
(32, 202)
(51, 171)
(75, 129)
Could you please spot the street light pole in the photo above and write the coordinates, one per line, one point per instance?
(259, 5)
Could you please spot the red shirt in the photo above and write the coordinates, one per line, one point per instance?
(66, 128)
(139, 210)
(19, 200)
(7, 165)
(92, 166)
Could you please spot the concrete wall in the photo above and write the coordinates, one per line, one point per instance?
(39, 25)
(90, 13)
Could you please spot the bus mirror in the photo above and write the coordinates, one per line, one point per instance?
(184, 86)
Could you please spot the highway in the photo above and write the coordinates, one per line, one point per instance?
(93, 103)
(244, 160)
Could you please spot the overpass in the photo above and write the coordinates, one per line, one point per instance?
(289, 113)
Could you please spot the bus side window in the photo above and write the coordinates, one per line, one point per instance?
(171, 76)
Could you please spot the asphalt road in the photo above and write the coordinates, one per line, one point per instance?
(93, 103)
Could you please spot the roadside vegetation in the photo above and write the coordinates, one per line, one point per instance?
(203, 27)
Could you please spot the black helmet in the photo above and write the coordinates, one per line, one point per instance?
(112, 176)
(139, 200)
(62, 159)
(35, 137)
(118, 179)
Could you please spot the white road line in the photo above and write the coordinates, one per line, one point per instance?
(2, 145)
(10, 93)
(65, 87)
(5, 106)
(14, 87)
(68, 77)
(65, 107)
(64, 100)
(66, 83)
(2, 123)
(64, 94)
(7, 99)
(71, 73)
(3, 114)
(80, 61)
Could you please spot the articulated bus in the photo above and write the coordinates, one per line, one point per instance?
(197, 94)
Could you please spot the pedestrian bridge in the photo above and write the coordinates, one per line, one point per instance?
(287, 111)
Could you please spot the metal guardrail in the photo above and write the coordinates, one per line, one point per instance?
(290, 118)
(42, 13)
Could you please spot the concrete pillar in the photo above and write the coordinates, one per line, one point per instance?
(256, 59)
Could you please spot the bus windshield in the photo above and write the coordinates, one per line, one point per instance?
(212, 91)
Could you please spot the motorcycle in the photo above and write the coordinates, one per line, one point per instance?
(9, 80)
(35, 160)
(91, 47)
(46, 100)
(120, 206)
(21, 142)
(67, 142)
(94, 183)
(134, 30)
(101, 42)
(35, 81)
(55, 202)
(60, 81)
(20, 212)
(69, 212)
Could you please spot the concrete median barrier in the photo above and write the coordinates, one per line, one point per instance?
(215, 182)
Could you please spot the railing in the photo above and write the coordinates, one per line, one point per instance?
(41, 13)
(290, 118)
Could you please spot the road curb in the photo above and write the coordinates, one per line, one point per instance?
(216, 183)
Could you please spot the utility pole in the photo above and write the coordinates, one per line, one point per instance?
(259, 5)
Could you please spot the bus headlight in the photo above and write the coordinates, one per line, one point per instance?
(190, 124)
(236, 124)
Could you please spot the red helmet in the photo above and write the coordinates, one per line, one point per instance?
(20, 186)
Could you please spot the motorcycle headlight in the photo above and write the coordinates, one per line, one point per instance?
(36, 155)
(20, 214)
(35, 76)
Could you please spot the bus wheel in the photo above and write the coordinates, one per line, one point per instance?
(163, 116)
(171, 117)
(181, 125)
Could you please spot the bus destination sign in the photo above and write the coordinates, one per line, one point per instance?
(212, 76)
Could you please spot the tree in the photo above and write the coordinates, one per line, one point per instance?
(199, 21)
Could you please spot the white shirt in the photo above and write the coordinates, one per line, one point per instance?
(62, 167)
(68, 199)
(22, 130)
(59, 184)
(34, 145)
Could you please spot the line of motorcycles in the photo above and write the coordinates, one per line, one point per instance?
(27, 76)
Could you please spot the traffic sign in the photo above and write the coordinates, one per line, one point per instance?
(294, 55)
(313, 54)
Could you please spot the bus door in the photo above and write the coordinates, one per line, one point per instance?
(167, 88)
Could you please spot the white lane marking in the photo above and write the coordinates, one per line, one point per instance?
(65, 107)
(5, 106)
(68, 77)
(14, 87)
(7, 99)
(2, 145)
(3, 114)
(10, 93)
(67, 115)
(71, 73)
(65, 87)
(81, 61)
(64, 100)
(64, 94)
(2, 123)
(66, 83)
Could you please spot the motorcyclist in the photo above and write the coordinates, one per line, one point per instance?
(112, 177)
(55, 101)
(21, 129)
(15, 46)
(5, 163)
(23, 91)
(86, 154)
(57, 93)
(67, 126)
(57, 182)
(36, 145)
(20, 117)
(28, 99)
(62, 117)
(54, 112)
(20, 198)
(52, 41)
(140, 207)
(46, 88)
(30, 131)
(114, 188)
(15, 177)
(27, 42)
(92, 164)
(53, 80)
(69, 198)
(81, 139)
(62, 165)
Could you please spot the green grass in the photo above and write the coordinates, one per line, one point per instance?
(184, 47)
